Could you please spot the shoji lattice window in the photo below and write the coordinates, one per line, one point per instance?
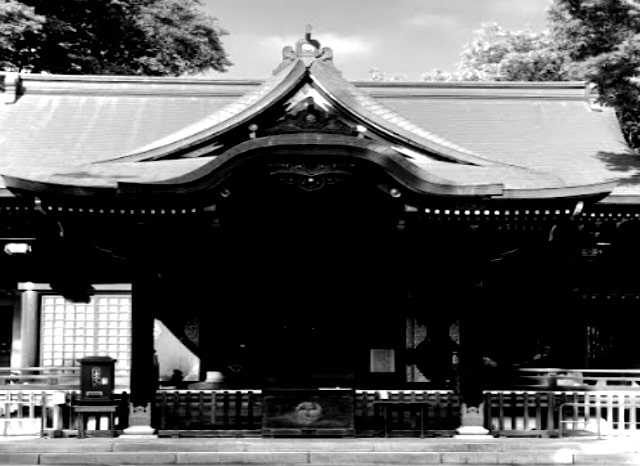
(71, 331)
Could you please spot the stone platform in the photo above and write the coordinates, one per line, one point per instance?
(293, 452)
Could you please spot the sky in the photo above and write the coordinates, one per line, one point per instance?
(405, 37)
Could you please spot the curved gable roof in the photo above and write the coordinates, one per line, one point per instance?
(462, 138)
(289, 78)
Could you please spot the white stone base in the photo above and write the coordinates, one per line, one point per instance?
(472, 433)
(139, 432)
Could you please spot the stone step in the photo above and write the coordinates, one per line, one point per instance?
(320, 458)
(291, 452)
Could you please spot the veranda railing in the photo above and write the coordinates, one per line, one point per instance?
(42, 377)
(552, 413)
(507, 412)
(608, 399)
(47, 412)
(239, 412)
(550, 378)
(49, 377)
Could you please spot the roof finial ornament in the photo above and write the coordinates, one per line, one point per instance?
(307, 36)
(306, 49)
(10, 86)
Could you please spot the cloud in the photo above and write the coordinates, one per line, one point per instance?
(522, 7)
(342, 45)
(458, 13)
(434, 20)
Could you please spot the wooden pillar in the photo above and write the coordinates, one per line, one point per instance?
(144, 376)
(24, 348)
(471, 368)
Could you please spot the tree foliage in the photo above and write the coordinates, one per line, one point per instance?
(182, 39)
(602, 40)
(376, 74)
(498, 54)
(19, 26)
(130, 37)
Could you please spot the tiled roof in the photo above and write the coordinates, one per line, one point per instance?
(83, 119)
(373, 112)
(228, 117)
(66, 124)
(561, 136)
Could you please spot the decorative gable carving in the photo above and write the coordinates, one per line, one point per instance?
(311, 176)
(309, 117)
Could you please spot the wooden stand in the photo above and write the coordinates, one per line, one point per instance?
(85, 411)
(389, 406)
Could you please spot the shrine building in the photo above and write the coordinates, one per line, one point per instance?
(303, 234)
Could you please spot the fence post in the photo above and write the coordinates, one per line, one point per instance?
(633, 406)
(551, 424)
(58, 400)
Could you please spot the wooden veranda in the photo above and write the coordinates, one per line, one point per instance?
(559, 402)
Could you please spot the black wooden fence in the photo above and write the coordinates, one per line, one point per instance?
(437, 413)
(239, 412)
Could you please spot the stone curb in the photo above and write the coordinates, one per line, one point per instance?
(332, 458)
(243, 458)
(19, 458)
(607, 458)
(354, 457)
(108, 458)
(317, 452)
(470, 458)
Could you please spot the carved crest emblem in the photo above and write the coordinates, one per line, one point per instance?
(310, 176)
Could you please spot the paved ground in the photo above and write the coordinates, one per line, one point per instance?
(335, 452)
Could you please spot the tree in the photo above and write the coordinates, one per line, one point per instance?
(498, 54)
(602, 40)
(19, 25)
(376, 74)
(130, 37)
(183, 39)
